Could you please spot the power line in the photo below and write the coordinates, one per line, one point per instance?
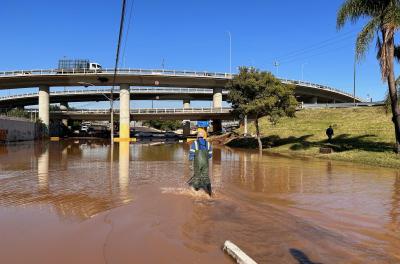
(318, 46)
(127, 31)
(298, 58)
(311, 51)
(121, 28)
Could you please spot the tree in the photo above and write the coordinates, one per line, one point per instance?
(18, 112)
(384, 21)
(257, 94)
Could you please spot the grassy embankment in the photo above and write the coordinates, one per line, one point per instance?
(362, 135)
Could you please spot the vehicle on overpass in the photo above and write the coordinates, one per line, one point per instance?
(79, 65)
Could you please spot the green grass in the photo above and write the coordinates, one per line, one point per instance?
(362, 135)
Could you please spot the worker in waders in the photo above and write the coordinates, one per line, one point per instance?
(200, 153)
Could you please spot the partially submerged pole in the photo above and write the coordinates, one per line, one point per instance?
(236, 253)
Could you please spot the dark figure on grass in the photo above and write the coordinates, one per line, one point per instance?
(200, 153)
(329, 133)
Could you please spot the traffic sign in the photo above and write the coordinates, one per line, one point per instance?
(202, 123)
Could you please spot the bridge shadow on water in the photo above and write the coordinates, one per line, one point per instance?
(301, 257)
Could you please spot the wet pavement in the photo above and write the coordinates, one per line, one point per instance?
(87, 202)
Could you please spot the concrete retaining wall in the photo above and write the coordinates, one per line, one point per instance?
(15, 129)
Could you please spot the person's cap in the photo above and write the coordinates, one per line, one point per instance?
(200, 134)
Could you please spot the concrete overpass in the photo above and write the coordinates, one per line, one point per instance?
(148, 114)
(96, 95)
(44, 79)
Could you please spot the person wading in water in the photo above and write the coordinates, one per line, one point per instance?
(200, 153)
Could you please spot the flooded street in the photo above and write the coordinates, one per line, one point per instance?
(86, 202)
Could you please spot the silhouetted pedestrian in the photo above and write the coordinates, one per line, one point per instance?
(329, 133)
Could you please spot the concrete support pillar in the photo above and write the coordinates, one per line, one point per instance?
(44, 100)
(217, 103)
(217, 126)
(186, 123)
(186, 103)
(186, 128)
(314, 100)
(64, 122)
(217, 98)
(64, 107)
(124, 112)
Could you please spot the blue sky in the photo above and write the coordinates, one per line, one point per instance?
(190, 35)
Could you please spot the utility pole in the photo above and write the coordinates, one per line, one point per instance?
(121, 27)
(354, 80)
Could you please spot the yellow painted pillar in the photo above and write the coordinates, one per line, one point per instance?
(124, 112)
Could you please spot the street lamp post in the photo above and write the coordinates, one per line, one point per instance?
(302, 71)
(276, 64)
(230, 53)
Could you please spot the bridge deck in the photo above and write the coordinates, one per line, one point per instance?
(150, 78)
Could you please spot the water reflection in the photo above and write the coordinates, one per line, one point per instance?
(71, 177)
(395, 211)
(216, 169)
(124, 172)
(43, 170)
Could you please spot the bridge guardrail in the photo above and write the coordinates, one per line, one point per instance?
(119, 71)
(339, 105)
(319, 86)
(203, 110)
(132, 90)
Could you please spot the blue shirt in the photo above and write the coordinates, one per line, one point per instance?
(200, 144)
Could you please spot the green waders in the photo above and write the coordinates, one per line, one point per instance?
(200, 179)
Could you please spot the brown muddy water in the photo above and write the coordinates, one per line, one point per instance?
(85, 202)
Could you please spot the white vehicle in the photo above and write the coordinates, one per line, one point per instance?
(84, 128)
(93, 66)
(68, 66)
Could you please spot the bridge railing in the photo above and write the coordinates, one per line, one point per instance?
(339, 105)
(108, 90)
(119, 71)
(203, 110)
(319, 86)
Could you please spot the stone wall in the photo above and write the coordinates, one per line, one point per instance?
(16, 129)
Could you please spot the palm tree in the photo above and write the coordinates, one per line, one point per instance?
(384, 21)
